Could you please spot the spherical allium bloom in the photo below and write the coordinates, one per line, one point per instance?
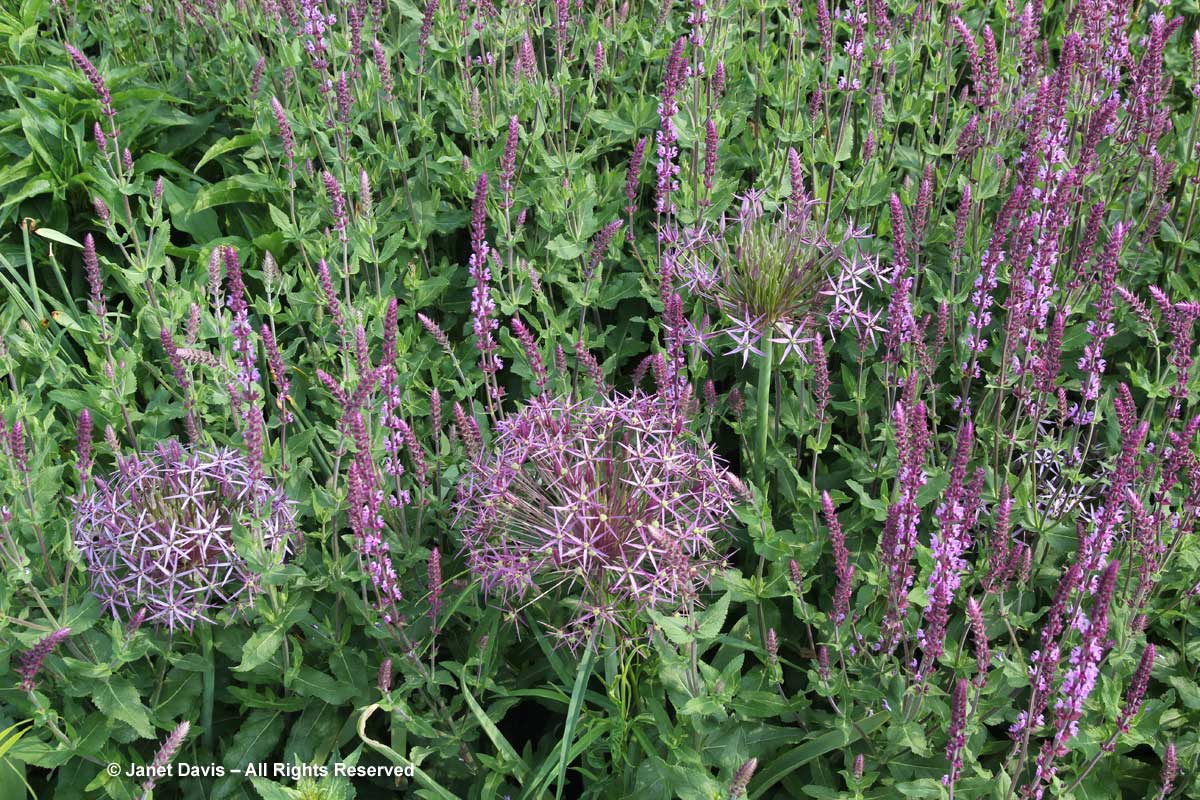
(613, 500)
(158, 534)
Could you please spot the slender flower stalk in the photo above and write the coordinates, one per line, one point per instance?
(958, 733)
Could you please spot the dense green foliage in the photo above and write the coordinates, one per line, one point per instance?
(899, 234)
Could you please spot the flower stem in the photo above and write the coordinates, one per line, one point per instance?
(208, 687)
(762, 424)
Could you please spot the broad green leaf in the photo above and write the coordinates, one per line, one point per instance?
(117, 698)
(712, 619)
(259, 649)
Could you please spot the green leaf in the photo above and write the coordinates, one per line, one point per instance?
(10, 736)
(259, 649)
(778, 769)
(269, 790)
(226, 145)
(238, 189)
(313, 683)
(573, 710)
(256, 740)
(1189, 693)
(118, 699)
(713, 619)
(55, 236)
(520, 769)
(674, 627)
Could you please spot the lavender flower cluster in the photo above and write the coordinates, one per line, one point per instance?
(158, 535)
(612, 498)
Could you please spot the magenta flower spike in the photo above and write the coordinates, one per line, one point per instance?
(32, 659)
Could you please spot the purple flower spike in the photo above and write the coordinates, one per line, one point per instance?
(632, 174)
(337, 203)
(83, 439)
(958, 736)
(841, 558)
(159, 535)
(508, 164)
(285, 133)
(170, 747)
(32, 660)
(93, 76)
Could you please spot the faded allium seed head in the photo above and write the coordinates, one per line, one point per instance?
(613, 499)
(159, 534)
(770, 270)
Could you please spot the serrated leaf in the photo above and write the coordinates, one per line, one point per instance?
(713, 618)
(117, 698)
(256, 740)
(673, 627)
(259, 649)
(269, 790)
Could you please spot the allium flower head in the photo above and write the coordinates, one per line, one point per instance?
(159, 534)
(769, 267)
(613, 499)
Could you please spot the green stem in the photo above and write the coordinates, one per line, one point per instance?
(34, 294)
(761, 422)
(208, 687)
